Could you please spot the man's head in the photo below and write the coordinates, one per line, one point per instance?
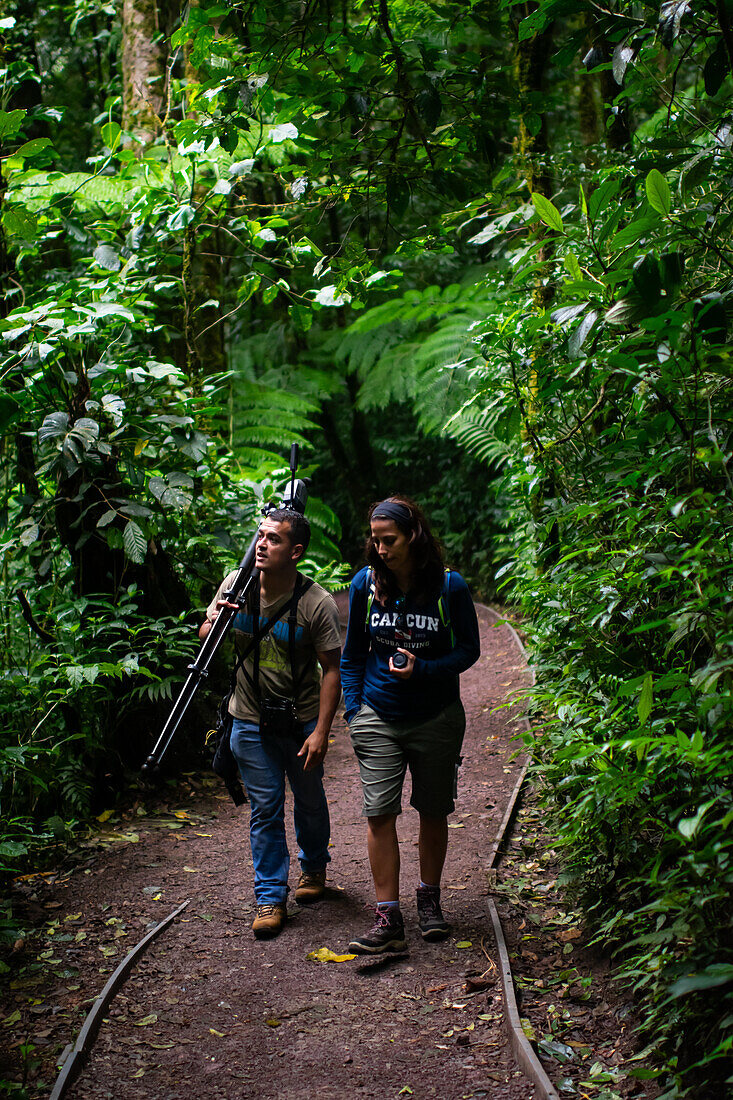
(283, 540)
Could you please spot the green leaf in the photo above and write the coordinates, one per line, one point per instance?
(646, 698)
(688, 826)
(54, 425)
(301, 317)
(20, 223)
(713, 975)
(134, 542)
(547, 211)
(573, 266)
(202, 45)
(10, 122)
(539, 20)
(716, 69)
(183, 216)
(111, 132)
(657, 192)
(106, 256)
(30, 148)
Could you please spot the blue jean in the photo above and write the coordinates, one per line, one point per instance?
(263, 764)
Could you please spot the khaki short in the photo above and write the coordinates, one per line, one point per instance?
(431, 749)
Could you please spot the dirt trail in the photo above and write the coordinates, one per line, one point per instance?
(212, 1013)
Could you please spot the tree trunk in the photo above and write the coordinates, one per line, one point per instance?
(144, 59)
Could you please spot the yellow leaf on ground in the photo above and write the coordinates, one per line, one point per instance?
(151, 1019)
(456, 825)
(191, 870)
(220, 1034)
(139, 1073)
(105, 816)
(326, 955)
(464, 943)
(272, 1022)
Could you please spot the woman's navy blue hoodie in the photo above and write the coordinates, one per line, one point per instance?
(442, 633)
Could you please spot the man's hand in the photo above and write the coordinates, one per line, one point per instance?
(314, 749)
(406, 672)
(208, 623)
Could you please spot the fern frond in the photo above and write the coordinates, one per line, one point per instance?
(257, 393)
(323, 517)
(274, 434)
(259, 461)
(475, 430)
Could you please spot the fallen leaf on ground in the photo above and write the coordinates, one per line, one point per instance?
(325, 954)
(272, 1022)
(151, 1019)
(464, 943)
(476, 985)
(528, 1030)
(191, 870)
(568, 934)
(220, 1034)
(105, 816)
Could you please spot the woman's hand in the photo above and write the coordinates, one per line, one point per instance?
(406, 672)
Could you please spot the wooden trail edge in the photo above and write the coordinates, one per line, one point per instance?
(74, 1060)
(523, 1051)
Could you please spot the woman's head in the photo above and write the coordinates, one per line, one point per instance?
(400, 543)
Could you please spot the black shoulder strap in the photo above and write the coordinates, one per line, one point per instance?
(300, 590)
(301, 586)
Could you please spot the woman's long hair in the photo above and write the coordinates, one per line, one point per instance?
(425, 551)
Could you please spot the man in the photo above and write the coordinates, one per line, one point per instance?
(279, 669)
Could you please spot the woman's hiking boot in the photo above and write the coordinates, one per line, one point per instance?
(431, 922)
(386, 934)
(269, 921)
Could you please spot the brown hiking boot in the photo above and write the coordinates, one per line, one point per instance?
(311, 887)
(269, 921)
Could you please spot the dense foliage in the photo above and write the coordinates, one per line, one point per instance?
(481, 253)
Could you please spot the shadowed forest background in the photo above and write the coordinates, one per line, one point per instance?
(475, 252)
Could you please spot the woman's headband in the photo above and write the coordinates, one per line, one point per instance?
(392, 509)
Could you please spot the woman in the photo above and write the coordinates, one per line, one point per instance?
(406, 710)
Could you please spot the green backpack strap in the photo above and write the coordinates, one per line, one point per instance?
(444, 607)
(370, 598)
(443, 604)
